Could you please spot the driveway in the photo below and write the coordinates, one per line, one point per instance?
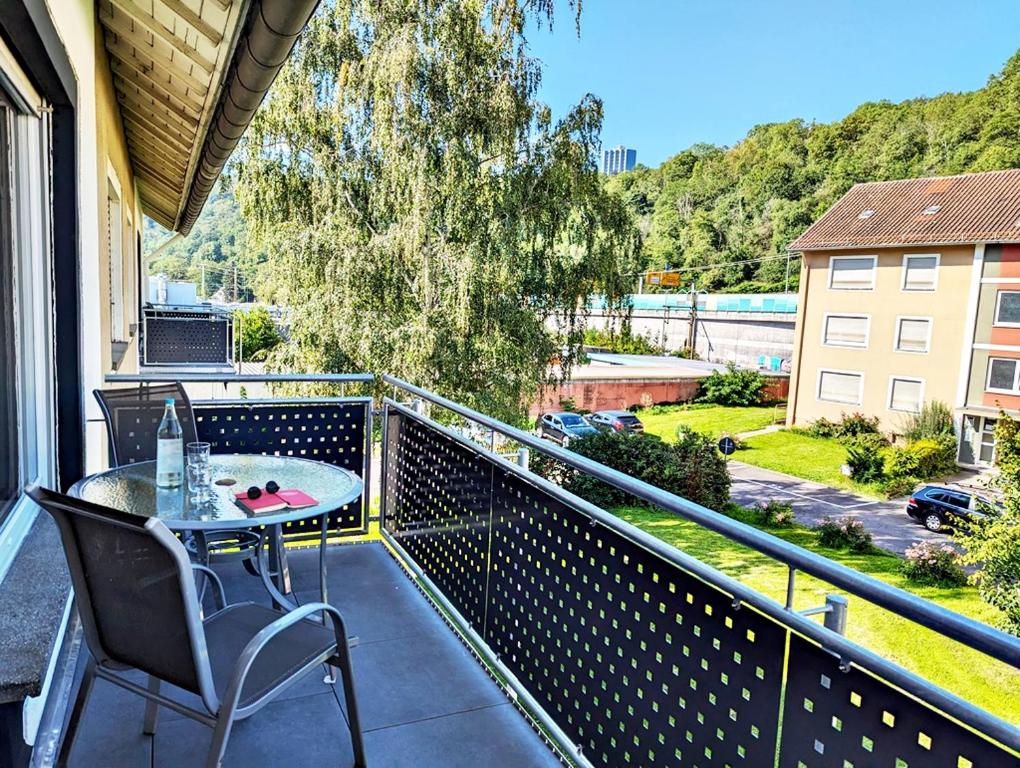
(887, 521)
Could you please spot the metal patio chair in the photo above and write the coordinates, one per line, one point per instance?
(135, 591)
(132, 416)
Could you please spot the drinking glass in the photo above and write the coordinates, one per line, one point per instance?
(199, 470)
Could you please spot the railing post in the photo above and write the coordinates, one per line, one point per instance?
(523, 457)
(418, 406)
(835, 616)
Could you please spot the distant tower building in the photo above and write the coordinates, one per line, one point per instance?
(618, 159)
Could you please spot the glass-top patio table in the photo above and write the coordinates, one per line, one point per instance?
(132, 489)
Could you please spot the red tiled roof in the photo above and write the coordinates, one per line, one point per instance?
(972, 208)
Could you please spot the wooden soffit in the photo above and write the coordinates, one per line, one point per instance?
(169, 59)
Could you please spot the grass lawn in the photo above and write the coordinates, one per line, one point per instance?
(713, 420)
(812, 458)
(963, 671)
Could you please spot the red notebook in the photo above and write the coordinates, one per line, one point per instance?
(271, 502)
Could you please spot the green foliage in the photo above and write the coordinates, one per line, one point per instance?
(934, 564)
(623, 342)
(427, 215)
(845, 533)
(934, 422)
(773, 514)
(686, 353)
(864, 458)
(926, 459)
(691, 468)
(899, 485)
(255, 334)
(711, 206)
(735, 387)
(218, 242)
(848, 427)
(992, 542)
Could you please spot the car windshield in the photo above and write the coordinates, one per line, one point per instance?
(572, 420)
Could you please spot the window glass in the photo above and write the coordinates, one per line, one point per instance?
(852, 274)
(1002, 373)
(1008, 310)
(906, 395)
(9, 449)
(846, 331)
(840, 387)
(920, 272)
(572, 420)
(912, 335)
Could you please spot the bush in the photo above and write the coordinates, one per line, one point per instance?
(848, 427)
(735, 387)
(933, 422)
(622, 342)
(864, 457)
(773, 514)
(926, 459)
(846, 533)
(935, 564)
(692, 468)
(899, 486)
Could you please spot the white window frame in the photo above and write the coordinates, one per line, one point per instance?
(888, 398)
(874, 270)
(855, 315)
(115, 254)
(1016, 375)
(818, 385)
(998, 304)
(903, 272)
(896, 334)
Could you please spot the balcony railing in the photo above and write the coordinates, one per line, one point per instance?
(186, 336)
(632, 653)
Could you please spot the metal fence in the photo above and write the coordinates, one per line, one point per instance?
(186, 336)
(634, 654)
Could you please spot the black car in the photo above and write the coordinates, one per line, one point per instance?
(936, 507)
(563, 427)
(617, 421)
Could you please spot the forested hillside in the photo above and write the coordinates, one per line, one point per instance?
(218, 242)
(709, 206)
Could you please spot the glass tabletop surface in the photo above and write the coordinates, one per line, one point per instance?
(132, 489)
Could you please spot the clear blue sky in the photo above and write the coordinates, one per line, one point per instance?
(675, 72)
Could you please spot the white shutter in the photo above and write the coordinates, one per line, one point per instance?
(852, 273)
(913, 335)
(840, 387)
(846, 331)
(905, 395)
(920, 273)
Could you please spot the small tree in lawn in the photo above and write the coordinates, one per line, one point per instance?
(255, 333)
(992, 542)
(735, 387)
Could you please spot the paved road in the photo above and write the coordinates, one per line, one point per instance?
(812, 502)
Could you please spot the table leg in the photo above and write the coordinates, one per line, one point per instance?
(278, 559)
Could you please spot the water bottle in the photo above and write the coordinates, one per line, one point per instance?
(169, 449)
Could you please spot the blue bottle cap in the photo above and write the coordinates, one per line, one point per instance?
(169, 401)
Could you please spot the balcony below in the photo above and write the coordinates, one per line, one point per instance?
(424, 698)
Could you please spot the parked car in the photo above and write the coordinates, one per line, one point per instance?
(617, 421)
(937, 507)
(563, 427)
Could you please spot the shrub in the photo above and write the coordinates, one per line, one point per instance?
(846, 533)
(936, 564)
(926, 458)
(691, 468)
(686, 353)
(933, 422)
(848, 427)
(735, 387)
(864, 457)
(773, 514)
(623, 341)
(899, 486)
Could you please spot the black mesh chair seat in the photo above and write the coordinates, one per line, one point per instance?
(134, 586)
(227, 632)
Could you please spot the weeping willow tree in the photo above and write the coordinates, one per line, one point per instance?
(424, 213)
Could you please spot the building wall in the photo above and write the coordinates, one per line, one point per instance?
(947, 306)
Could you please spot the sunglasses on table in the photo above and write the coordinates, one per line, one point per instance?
(255, 492)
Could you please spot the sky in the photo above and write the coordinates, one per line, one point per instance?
(674, 73)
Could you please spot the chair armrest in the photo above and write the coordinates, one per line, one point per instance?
(209, 573)
(267, 633)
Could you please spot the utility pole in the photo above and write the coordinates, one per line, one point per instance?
(786, 289)
(235, 282)
(692, 330)
(203, 281)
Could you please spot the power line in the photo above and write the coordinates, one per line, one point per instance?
(758, 260)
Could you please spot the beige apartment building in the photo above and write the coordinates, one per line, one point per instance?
(910, 293)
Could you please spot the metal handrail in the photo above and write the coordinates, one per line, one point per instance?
(240, 378)
(847, 650)
(974, 634)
